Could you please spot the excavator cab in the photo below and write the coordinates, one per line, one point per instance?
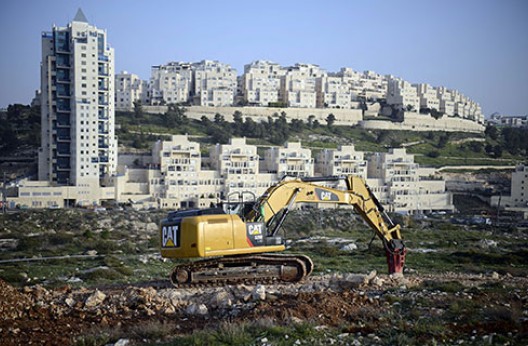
(239, 203)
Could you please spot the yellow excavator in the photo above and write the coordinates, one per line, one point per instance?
(239, 241)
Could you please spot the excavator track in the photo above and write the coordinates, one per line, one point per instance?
(261, 268)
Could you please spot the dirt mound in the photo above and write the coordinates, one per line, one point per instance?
(327, 308)
(36, 315)
(12, 303)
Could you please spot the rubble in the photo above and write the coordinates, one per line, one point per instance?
(94, 299)
(351, 303)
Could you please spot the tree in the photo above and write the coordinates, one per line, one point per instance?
(443, 140)
(174, 116)
(436, 114)
(138, 110)
(9, 140)
(238, 124)
(330, 120)
(497, 151)
(205, 121)
(492, 132)
(433, 154)
(311, 119)
(219, 119)
(476, 147)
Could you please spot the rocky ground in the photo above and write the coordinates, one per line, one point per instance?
(350, 309)
(79, 277)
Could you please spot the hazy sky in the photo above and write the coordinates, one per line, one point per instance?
(479, 47)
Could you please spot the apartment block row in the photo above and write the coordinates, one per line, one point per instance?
(264, 83)
(424, 97)
(175, 175)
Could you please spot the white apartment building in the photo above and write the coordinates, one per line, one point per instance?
(238, 164)
(79, 146)
(373, 85)
(261, 83)
(402, 186)
(344, 160)
(215, 84)
(171, 83)
(129, 88)
(512, 121)
(290, 160)
(519, 186)
(403, 95)
(518, 199)
(298, 85)
(428, 96)
(447, 105)
(334, 92)
(183, 182)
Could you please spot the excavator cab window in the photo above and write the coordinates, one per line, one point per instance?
(239, 203)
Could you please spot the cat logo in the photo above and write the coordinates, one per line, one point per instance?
(326, 195)
(255, 229)
(170, 236)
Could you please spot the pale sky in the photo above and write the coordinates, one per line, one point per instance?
(479, 47)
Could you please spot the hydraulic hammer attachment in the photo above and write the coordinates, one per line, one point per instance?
(395, 251)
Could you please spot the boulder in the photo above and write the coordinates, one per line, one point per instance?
(259, 292)
(347, 282)
(349, 247)
(487, 244)
(221, 299)
(197, 309)
(95, 299)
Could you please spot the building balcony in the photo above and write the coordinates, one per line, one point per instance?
(103, 159)
(63, 138)
(63, 167)
(64, 109)
(103, 58)
(63, 95)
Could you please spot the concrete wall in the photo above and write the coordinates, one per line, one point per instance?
(343, 116)
(421, 122)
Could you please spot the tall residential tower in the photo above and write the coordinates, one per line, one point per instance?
(77, 81)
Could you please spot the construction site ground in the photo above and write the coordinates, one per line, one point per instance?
(83, 278)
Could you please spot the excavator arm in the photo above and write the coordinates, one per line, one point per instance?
(273, 207)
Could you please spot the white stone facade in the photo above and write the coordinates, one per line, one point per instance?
(344, 160)
(129, 89)
(298, 85)
(290, 160)
(78, 145)
(261, 82)
(403, 95)
(403, 187)
(171, 83)
(215, 84)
